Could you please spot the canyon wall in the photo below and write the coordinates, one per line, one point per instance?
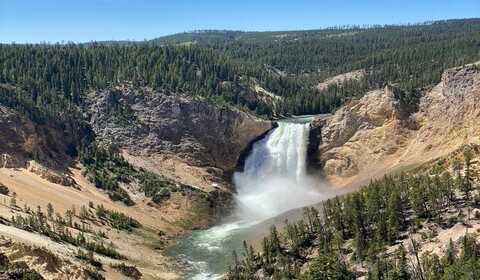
(386, 130)
(174, 134)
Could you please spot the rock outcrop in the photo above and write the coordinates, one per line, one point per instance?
(42, 147)
(380, 133)
(189, 131)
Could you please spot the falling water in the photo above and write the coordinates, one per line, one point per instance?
(274, 181)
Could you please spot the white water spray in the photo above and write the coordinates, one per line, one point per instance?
(274, 179)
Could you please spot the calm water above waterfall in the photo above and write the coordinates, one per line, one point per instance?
(274, 181)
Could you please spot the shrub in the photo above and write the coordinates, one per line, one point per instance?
(4, 189)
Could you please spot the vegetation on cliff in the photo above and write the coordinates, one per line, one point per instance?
(74, 228)
(106, 168)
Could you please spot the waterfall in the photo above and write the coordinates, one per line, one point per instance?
(274, 179)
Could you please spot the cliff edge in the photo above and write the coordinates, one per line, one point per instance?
(188, 138)
(387, 129)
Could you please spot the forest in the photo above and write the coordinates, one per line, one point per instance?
(370, 232)
(222, 65)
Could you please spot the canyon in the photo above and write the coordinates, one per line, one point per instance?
(199, 144)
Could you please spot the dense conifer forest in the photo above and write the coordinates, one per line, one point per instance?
(222, 65)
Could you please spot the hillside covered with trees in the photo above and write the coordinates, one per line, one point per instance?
(223, 65)
(378, 232)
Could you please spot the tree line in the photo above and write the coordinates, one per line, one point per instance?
(59, 76)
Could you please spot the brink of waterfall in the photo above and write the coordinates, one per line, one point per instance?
(274, 179)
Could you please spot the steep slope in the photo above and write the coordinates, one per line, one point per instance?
(158, 225)
(382, 131)
(194, 142)
(174, 135)
(43, 147)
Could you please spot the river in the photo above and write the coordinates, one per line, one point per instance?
(274, 180)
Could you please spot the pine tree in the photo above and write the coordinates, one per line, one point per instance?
(50, 212)
(13, 200)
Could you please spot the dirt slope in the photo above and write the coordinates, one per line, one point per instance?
(342, 78)
(138, 245)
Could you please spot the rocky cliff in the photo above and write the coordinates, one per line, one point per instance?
(174, 134)
(381, 132)
(43, 147)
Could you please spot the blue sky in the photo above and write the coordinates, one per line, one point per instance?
(86, 20)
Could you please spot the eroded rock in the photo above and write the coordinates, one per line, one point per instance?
(191, 130)
(381, 131)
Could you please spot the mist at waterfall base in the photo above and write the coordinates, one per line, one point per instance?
(273, 181)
